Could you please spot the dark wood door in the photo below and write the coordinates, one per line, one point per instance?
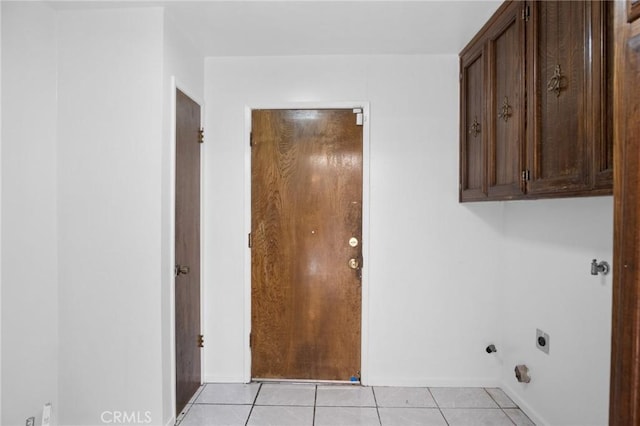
(506, 110)
(473, 141)
(560, 110)
(306, 209)
(187, 249)
(624, 407)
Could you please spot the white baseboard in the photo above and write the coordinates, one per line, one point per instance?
(526, 408)
(171, 422)
(223, 379)
(439, 382)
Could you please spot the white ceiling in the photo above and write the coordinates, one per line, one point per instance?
(265, 28)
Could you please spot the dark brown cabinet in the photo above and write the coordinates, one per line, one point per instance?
(473, 127)
(545, 86)
(506, 103)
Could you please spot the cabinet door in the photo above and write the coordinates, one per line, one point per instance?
(472, 125)
(603, 37)
(560, 115)
(506, 104)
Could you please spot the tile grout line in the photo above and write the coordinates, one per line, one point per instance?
(315, 401)
(375, 400)
(437, 405)
(253, 404)
(499, 406)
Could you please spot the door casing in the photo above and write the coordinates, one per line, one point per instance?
(365, 224)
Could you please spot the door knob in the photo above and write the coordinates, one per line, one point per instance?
(181, 270)
(354, 264)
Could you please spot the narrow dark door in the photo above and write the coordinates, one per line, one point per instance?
(306, 206)
(187, 280)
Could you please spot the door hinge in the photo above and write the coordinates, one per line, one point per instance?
(359, 116)
(201, 136)
(200, 341)
(250, 340)
(526, 175)
(251, 139)
(526, 13)
(249, 240)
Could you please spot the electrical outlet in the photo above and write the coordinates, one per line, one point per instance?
(542, 341)
(31, 421)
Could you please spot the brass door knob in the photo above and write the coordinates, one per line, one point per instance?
(354, 264)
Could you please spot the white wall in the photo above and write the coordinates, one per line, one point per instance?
(432, 266)
(547, 284)
(110, 178)
(110, 206)
(184, 65)
(29, 212)
(0, 213)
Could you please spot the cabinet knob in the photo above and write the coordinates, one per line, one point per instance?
(555, 83)
(475, 128)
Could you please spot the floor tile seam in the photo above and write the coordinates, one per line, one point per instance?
(345, 406)
(315, 401)
(375, 400)
(438, 406)
(284, 405)
(405, 407)
(496, 401)
(510, 419)
(253, 405)
(472, 408)
(222, 403)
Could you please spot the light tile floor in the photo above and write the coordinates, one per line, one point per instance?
(284, 404)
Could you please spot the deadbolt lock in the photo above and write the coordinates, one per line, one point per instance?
(354, 264)
(353, 242)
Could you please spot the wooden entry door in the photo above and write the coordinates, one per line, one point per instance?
(187, 249)
(306, 210)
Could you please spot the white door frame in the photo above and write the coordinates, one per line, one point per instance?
(364, 379)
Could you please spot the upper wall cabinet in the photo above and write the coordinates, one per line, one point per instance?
(473, 182)
(544, 130)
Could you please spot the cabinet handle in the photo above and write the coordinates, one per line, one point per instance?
(555, 83)
(505, 111)
(475, 128)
